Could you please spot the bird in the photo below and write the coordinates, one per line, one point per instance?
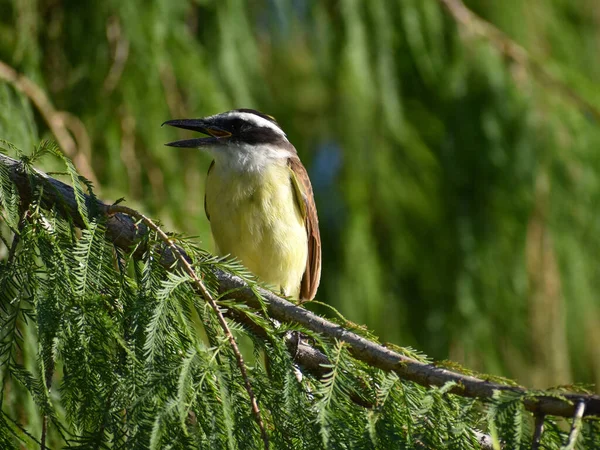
(259, 199)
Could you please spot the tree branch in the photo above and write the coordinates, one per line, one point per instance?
(124, 233)
(476, 26)
(59, 122)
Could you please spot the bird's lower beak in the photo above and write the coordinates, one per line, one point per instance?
(200, 125)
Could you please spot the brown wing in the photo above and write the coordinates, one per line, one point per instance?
(312, 274)
(212, 164)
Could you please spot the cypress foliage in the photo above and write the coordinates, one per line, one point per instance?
(106, 349)
(456, 185)
(456, 180)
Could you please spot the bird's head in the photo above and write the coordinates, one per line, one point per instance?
(244, 139)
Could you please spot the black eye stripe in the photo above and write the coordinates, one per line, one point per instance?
(259, 135)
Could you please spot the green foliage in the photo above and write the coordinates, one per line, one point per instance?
(457, 189)
(113, 351)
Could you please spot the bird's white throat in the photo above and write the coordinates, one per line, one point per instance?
(249, 158)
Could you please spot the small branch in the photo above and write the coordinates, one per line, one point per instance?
(13, 247)
(124, 233)
(475, 25)
(576, 426)
(84, 145)
(120, 55)
(130, 161)
(539, 430)
(49, 369)
(175, 101)
(57, 121)
(202, 290)
(44, 430)
(20, 427)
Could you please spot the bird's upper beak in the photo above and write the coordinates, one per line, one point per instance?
(205, 126)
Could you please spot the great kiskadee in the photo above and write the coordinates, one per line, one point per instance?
(259, 199)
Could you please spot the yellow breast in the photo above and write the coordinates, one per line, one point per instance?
(255, 217)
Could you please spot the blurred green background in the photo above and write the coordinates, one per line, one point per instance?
(456, 163)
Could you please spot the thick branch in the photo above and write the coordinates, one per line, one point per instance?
(124, 233)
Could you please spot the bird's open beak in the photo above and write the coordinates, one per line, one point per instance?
(201, 125)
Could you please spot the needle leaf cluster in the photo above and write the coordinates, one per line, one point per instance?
(102, 348)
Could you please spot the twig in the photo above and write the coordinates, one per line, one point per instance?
(131, 162)
(13, 247)
(44, 430)
(175, 101)
(20, 427)
(124, 233)
(539, 429)
(49, 372)
(120, 53)
(475, 25)
(57, 121)
(575, 426)
(201, 288)
(48, 369)
(78, 130)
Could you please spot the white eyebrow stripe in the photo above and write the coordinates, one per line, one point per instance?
(252, 118)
